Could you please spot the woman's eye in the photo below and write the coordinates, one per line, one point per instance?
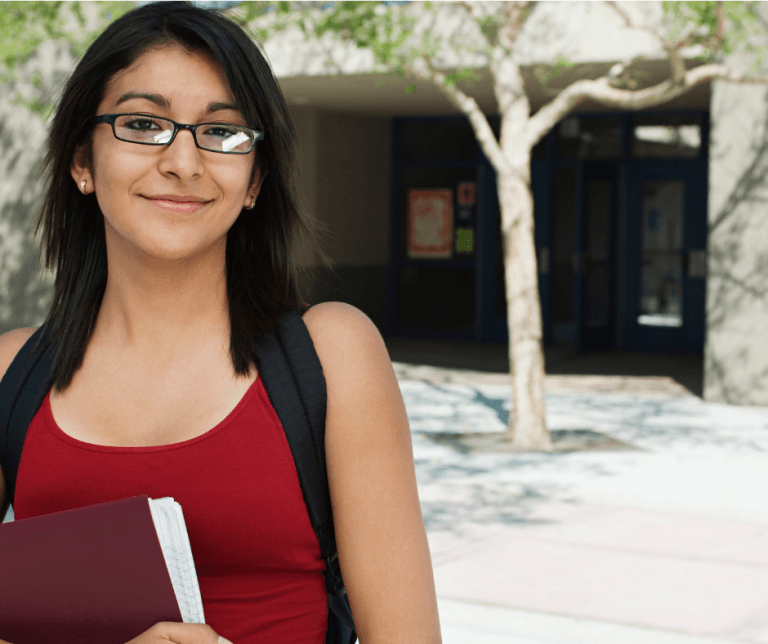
(220, 131)
(142, 125)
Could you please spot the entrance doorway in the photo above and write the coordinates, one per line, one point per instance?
(620, 233)
(583, 284)
(627, 240)
(665, 265)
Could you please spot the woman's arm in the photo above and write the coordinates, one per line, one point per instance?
(10, 344)
(382, 544)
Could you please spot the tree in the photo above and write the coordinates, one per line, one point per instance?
(412, 38)
(24, 26)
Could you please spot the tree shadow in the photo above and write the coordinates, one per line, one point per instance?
(25, 287)
(736, 369)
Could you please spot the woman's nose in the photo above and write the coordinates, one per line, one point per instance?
(182, 157)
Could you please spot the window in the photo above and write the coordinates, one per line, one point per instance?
(676, 137)
(589, 138)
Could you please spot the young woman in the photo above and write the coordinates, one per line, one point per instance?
(170, 221)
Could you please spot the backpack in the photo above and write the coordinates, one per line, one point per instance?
(293, 378)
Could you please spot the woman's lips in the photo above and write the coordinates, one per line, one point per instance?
(178, 206)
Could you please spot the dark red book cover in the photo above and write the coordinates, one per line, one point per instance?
(94, 575)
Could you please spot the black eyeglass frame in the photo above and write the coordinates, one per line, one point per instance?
(258, 135)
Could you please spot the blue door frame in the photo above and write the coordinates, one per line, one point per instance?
(688, 338)
(627, 176)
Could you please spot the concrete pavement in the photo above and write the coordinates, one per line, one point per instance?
(664, 542)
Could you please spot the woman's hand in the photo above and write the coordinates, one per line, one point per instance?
(164, 632)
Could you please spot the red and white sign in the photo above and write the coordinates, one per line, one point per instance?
(466, 193)
(430, 223)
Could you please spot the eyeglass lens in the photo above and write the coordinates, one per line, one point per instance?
(217, 137)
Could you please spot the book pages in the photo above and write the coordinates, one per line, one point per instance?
(174, 542)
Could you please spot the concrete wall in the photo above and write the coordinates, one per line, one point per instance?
(736, 353)
(580, 31)
(25, 289)
(346, 185)
(305, 122)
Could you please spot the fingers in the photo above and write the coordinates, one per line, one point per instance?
(188, 633)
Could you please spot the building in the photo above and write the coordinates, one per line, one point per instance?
(651, 231)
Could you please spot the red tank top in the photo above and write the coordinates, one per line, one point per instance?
(257, 558)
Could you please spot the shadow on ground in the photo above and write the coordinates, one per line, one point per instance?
(563, 440)
(687, 370)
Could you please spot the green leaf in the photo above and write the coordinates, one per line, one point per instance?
(462, 74)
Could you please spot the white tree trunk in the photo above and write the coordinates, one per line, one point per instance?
(527, 422)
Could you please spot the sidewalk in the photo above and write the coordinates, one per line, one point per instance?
(662, 543)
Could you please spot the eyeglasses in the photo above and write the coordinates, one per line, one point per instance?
(145, 129)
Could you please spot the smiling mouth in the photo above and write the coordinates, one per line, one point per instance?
(177, 206)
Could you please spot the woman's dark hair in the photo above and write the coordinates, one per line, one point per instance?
(263, 278)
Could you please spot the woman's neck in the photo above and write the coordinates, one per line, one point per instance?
(155, 309)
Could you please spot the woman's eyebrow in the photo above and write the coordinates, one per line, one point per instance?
(158, 100)
(163, 102)
(215, 107)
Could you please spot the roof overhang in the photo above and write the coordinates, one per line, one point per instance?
(378, 94)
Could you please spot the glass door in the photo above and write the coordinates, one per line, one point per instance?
(594, 267)
(666, 257)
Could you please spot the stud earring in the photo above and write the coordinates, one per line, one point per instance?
(82, 186)
(253, 203)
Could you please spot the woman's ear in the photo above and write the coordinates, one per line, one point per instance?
(253, 193)
(80, 170)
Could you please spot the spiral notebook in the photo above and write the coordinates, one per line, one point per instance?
(101, 574)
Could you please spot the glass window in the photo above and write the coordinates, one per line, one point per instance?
(540, 149)
(564, 188)
(597, 268)
(438, 139)
(581, 137)
(661, 282)
(676, 137)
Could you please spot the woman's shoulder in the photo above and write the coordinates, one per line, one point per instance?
(10, 343)
(335, 314)
(341, 332)
(353, 355)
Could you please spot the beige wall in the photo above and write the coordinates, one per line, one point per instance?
(344, 181)
(736, 354)
(305, 122)
(25, 289)
(353, 187)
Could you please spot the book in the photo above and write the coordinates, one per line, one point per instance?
(101, 574)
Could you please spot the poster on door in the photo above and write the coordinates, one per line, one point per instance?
(430, 223)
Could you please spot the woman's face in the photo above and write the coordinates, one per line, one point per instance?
(140, 188)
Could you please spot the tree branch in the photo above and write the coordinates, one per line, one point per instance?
(472, 9)
(616, 72)
(516, 15)
(468, 106)
(601, 90)
(677, 66)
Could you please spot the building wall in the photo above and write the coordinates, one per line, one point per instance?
(736, 354)
(305, 122)
(352, 194)
(25, 289)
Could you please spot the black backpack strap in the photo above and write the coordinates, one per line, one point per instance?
(291, 372)
(22, 391)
